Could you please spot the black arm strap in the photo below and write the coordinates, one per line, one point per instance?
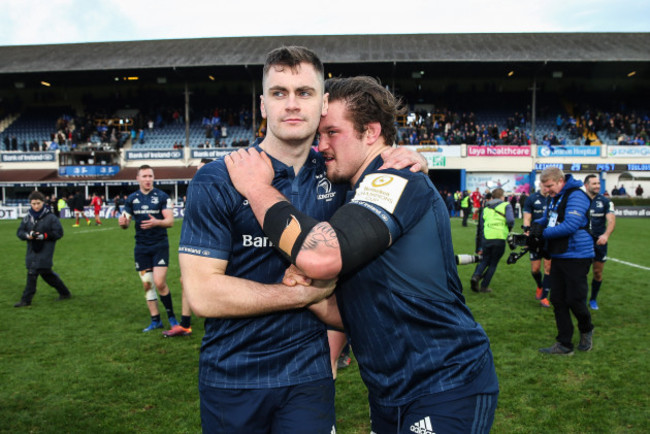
(287, 228)
(362, 235)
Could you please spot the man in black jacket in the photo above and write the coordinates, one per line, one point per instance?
(41, 229)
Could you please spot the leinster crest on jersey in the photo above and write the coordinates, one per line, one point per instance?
(324, 190)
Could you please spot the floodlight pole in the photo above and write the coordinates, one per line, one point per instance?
(253, 102)
(533, 112)
(187, 117)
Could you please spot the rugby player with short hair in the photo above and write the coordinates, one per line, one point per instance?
(152, 211)
(426, 363)
(185, 327)
(264, 363)
(534, 209)
(602, 222)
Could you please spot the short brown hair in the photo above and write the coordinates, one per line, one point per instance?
(367, 101)
(497, 193)
(36, 195)
(291, 57)
(144, 167)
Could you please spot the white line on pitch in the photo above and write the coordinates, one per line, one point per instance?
(87, 231)
(629, 263)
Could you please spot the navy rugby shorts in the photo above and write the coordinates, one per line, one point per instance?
(147, 257)
(302, 409)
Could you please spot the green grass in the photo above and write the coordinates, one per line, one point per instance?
(83, 365)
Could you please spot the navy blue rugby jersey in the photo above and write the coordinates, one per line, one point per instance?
(274, 350)
(535, 204)
(600, 207)
(140, 206)
(412, 333)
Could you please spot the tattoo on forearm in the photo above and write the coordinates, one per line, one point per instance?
(321, 235)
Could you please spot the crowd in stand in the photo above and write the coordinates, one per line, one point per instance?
(451, 128)
(625, 128)
(443, 127)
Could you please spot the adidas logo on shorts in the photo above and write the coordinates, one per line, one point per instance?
(423, 426)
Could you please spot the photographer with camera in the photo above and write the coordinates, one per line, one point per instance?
(564, 227)
(534, 209)
(41, 229)
(495, 222)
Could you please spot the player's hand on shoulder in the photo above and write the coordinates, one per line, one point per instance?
(248, 169)
(401, 158)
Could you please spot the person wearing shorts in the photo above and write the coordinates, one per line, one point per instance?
(151, 209)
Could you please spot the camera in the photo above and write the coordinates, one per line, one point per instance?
(530, 243)
(465, 259)
(517, 240)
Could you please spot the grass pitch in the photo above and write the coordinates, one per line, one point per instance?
(83, 365)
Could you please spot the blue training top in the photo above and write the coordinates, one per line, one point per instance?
(575, 223)
(140, 206)
(409, 326)
(280, 349)
(600, 207)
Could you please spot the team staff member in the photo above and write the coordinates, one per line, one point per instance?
(465, 206)
(534, 209)
(602, 222)
(399, 289)
(495, 223)
(152, 210)
(260, 345)
(565, 228)
(41, 229)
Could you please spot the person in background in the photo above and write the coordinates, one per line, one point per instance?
(602, 222)
(78, 204)
(61, 204)
(151, 209)
(534, 209)
(477, 199)
(465, 206)
(54, 206)
(117, 202)
(565, 229)
(41, 229)
(96, 202)
(185, 327)
(495, 223)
